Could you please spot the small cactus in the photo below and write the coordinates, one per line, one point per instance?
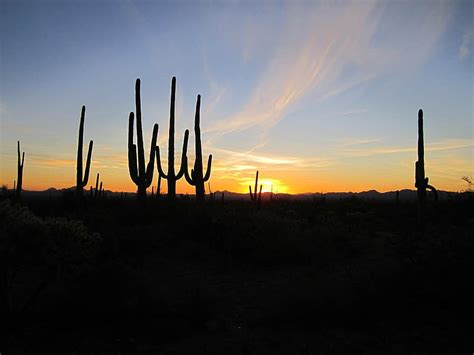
(256, 197)
(101, 190)
(197, 178)
(158, 187)
(20, 165)
(98, 188)
(136, 158)
(171, 176)
(81, 182)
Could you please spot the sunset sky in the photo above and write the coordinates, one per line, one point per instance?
(318, 97)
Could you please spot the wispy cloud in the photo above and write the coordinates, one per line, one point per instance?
(355, 111)
(351, 142)
(465, 47)
(330, 49)
(241, 166)
(448, 144)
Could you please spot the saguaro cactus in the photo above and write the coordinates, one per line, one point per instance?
(19, 171)
(421, 182)
(158, 187)
(171, 176)
(140, 176)
(96, 191)
(257, 198)
(197, 178)
(80, 181)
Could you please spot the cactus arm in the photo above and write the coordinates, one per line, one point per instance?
(151, 162)
(184, 159)
(158, 163)
(23, 160)
(96, 186)
(132, 164)
(189, 178)
(140, 150)
(132, 152)
(131, 118)
(250, 191)
(208, 170)
(88, 164)
(256, 185)
(435, 192)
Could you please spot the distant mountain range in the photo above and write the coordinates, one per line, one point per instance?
(404, 195)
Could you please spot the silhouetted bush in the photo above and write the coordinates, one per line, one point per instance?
(36, 252)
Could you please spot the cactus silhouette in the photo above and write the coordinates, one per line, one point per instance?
(81, 182)
(257, 198)
(197, 178)
(95, 193)
(136, 156)
(158, 187)
(101, 190)
(171, 176)
(20, 165)
(421, 182)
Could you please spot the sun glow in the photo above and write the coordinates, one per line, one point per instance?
(268, 185)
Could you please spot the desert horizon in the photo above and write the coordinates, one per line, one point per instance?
(236, 177)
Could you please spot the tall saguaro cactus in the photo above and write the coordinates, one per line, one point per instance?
(80, 181)
(20, 165)
(197, 178)
(136, 159)
(421, 182)
(171, 176)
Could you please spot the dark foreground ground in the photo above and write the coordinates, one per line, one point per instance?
(307, 277)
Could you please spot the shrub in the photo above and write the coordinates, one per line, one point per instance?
(34, 252)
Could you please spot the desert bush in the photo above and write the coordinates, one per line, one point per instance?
(35, 252)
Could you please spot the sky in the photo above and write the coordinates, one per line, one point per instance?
(317, 96)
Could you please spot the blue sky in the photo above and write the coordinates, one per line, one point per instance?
(319, 96)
